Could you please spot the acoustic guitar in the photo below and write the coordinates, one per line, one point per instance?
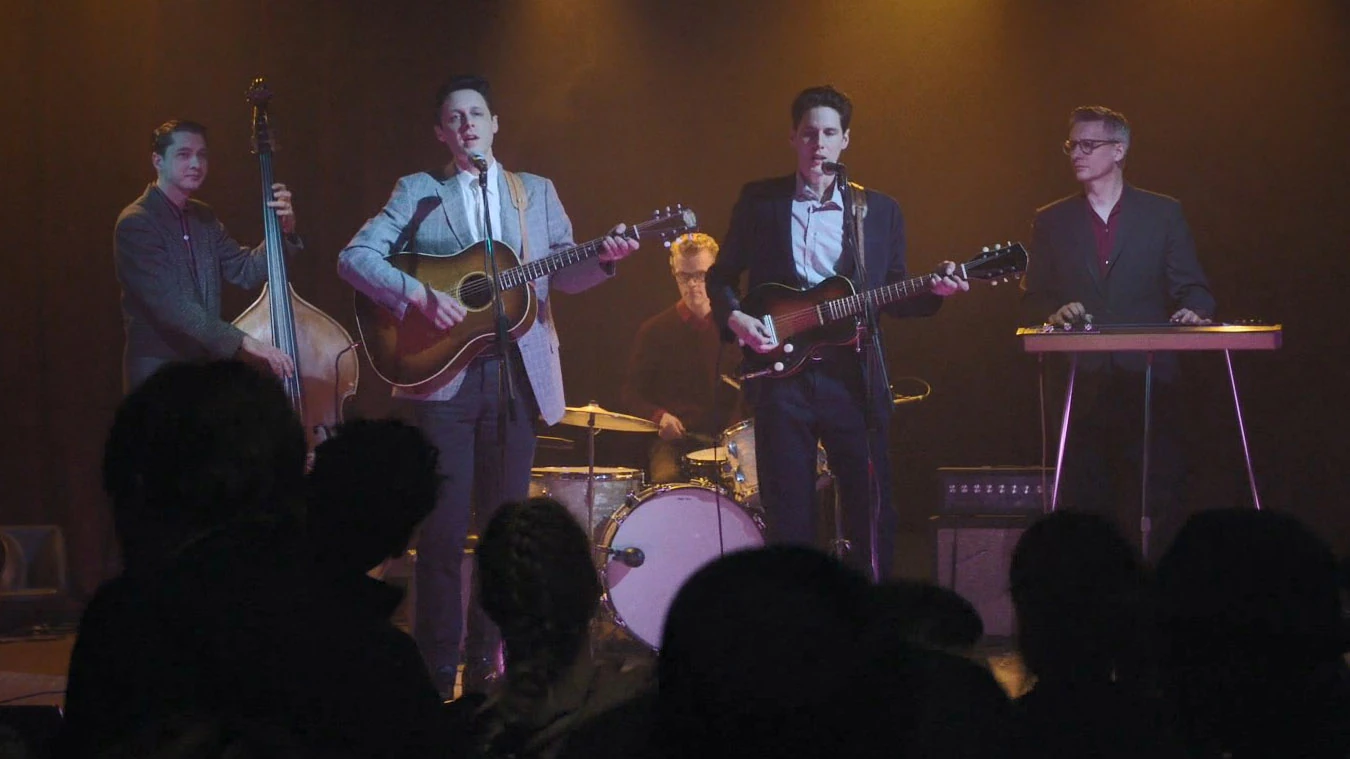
(412, 351)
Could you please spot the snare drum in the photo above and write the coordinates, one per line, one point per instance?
(567, 485)
(706, 464)
(677, 529)
(741, 474)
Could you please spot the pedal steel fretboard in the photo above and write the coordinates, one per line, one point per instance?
(1151, 338)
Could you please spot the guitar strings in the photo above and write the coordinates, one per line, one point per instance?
(483, 285)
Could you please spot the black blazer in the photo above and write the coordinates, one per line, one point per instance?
(1153, 271)
(759, 243)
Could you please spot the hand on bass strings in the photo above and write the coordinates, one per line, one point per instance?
(1187, 316)
(945, 281)
(1069, 313)
(441, 309)
(671, 428)
(257, 352)
(281, 200)
(617, 247)
(751, 332)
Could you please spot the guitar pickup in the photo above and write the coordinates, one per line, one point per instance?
(768, 325)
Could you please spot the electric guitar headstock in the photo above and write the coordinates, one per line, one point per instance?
(996, 264)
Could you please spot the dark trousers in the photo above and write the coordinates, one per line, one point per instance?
(465, 430)
(824, 404)
(1104, 455)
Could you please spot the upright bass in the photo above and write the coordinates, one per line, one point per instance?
(323, 352)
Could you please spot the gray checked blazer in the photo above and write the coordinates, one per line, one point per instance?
(445, 231)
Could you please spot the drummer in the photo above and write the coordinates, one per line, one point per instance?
(676, 369)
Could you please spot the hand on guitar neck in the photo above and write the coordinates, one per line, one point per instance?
(618, 244)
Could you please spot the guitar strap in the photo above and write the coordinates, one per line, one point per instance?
(858, 197)
(517, 190)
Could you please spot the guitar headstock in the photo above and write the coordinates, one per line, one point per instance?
(997, 263)
(667, 225)
(260, 96)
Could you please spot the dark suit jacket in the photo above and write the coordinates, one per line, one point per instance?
(759, 244)
(171, 308)
(1154, 270)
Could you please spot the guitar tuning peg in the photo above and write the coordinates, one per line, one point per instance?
(993, 283)
(656, 213)
(986, 249)
(666, 243)
(667, 209)
(1008, 244)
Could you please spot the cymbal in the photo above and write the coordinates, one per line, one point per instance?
(581, 416)
(550, 443)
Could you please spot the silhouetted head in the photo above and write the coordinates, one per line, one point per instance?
(371, 485)
(1079, 590)
(1241, 580)
(196, 447)
(927, 615)
(538, 584)
(758, 655)
(1251, 637)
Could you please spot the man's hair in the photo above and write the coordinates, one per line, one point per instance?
(1115, 121)
(690, 245)
(372, 483)
(462, 82)
(824, 96)
(162, 137)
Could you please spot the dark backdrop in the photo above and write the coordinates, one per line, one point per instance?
(1239, 110)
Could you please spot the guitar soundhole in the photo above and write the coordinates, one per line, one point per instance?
(475, 291)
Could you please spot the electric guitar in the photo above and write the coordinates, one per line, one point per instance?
(412, 351)
(801, 322)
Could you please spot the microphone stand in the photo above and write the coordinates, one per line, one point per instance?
(506, 383)
(871, 360)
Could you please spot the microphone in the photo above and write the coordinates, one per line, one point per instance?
(478, 161)
(832, 167)
(629, 557)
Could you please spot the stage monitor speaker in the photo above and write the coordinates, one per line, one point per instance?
(32, 561)
(972, 556)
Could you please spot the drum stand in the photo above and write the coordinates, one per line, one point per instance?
(841, 545)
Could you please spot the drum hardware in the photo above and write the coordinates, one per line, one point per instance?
(629, 557)
(594, 418)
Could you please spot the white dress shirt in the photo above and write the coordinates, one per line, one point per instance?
(473, 199)
(817, 233)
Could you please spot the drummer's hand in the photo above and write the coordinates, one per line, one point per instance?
(617, 246)
(257, 352)
(1187, 316)
(751, 332)
(441, 309)
(671, 427)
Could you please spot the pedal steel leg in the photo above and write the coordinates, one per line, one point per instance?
(1145, 523)
(1064, 431)
(1242, 431)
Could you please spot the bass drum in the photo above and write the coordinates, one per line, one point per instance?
(676, 529)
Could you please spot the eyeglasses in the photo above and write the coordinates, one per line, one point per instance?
(1086, 147)
(690, 277)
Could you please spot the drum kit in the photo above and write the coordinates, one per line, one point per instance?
(649, 540)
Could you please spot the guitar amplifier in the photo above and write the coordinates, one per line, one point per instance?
(1011, 490)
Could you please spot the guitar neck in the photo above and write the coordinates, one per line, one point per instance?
(532, 270)
(853, 305)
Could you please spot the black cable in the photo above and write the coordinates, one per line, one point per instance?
(12, 699)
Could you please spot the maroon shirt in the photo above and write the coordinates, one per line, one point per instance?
(1105, 233)
(674, 368)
